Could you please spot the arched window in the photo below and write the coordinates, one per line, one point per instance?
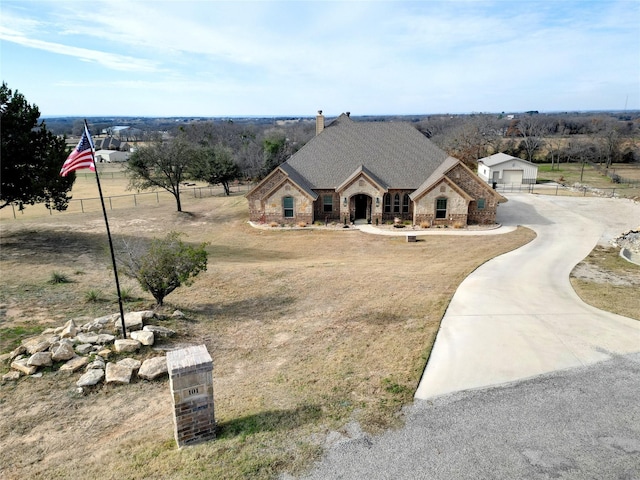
(405, 203)
(287, 206)
(441, 208)
(396, 203)
(387, 203)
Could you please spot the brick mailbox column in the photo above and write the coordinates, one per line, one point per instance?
(191, 381)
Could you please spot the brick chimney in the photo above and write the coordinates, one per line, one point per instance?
(319, 122)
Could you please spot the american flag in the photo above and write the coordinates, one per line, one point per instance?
(81, 157)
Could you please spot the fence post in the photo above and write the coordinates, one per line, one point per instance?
(82, 205)
(110, 204)
(157, 198)
(135, 202)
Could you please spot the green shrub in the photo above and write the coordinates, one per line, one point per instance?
(93, 296)
(58, 277)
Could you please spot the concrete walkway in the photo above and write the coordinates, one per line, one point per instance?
(517, 316)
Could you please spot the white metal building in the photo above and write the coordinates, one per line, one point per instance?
(111, 156)
(505, 169)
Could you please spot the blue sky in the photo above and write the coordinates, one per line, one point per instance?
(268, 58)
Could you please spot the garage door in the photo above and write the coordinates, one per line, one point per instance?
(512, 177)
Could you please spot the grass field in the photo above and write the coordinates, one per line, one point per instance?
(572, 173)
(308, 329)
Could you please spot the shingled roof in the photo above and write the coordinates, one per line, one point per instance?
(396, 153)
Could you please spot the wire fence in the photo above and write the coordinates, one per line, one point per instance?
(113, 202)
(560, 189)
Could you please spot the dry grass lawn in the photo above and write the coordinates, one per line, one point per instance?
(308, 329)
(608, 282)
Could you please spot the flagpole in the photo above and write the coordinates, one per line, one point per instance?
(106, 222)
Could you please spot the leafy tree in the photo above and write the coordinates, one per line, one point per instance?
(216, 165)
(166, 264)
(31, 156)
(163, 164)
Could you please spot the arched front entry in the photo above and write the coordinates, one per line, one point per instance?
(362, 207)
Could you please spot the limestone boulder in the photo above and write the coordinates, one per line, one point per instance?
(159, 331)
(98, 363)
(69, 330)
(62, 352)
(153, 368)
(40, 359)
(36, 344)
(105, 338)
(126, 345)
(11, 376)
(105, 353)
(131, 363)
(144, 337)
(133, 320)
(92, 377)
(118, 373)
(20, 364)
(75, 364)
(84, 348)
(20, 350)
(87, 338)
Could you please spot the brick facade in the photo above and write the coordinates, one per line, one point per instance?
(191, 382)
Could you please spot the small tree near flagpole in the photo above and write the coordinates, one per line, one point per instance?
(83, 157)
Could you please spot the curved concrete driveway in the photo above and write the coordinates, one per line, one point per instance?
(517, 316)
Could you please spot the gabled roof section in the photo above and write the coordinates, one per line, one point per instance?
(395, 153)
(290, 175)
(498, 158)
(298, 180)
(435, 177)
(364, 171)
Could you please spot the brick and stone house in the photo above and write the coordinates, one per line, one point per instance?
(373, 171)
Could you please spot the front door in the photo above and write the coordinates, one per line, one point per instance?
(361, 204)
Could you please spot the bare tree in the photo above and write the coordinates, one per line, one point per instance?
(531, 129)
(163, 164)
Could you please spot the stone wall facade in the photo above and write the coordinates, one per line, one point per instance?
(425, 206)
(477, 189)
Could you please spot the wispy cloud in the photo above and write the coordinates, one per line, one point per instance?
(106, 59)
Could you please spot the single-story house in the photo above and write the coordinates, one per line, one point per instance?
(503, 168)
(375, 172)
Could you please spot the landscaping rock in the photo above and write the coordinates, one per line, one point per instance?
(11, 376)
(105, 338)
(87, 338)
(145, 337)
(76, 363)
(159, 331)
(133, 320)
(126, 345)
(18, 351)
(131, 363)
(117, 373)
(92, 377)
(178, 314)
(153, 368)
(84, 348)
(5, 357)
(62, 352)
(21, 365)
(69, 330)
(36, 344)
(98, 363)
(40, 359)
(105, 353)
